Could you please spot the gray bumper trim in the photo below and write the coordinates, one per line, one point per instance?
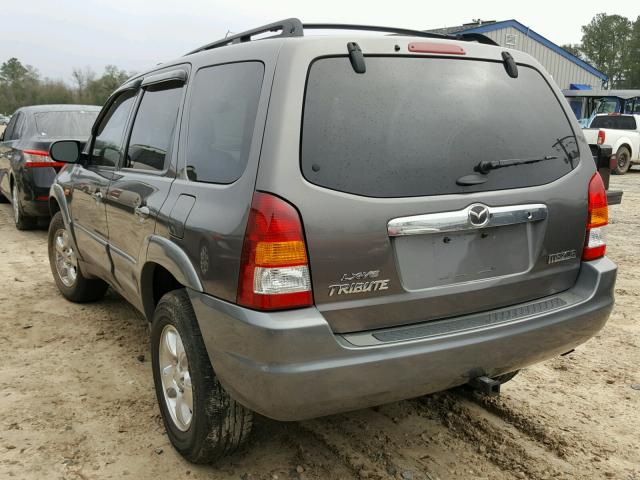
(290, 365)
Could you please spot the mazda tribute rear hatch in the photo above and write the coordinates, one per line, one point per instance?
(436, 187)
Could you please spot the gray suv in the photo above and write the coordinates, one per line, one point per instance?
(316, 224)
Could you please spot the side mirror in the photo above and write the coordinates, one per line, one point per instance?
(66, 151)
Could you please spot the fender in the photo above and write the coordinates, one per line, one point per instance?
(169, 255)
(57, 193)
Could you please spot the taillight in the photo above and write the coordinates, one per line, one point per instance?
(598, 216)
(274, 269)
(39, 158)
(601, 137)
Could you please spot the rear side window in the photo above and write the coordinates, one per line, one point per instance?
(221, 121)
(65, 124)
(615, 122)
(413, 126)
(154, 128)
(108, 145)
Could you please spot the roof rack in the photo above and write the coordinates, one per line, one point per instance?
(475, 37)
(292, 27)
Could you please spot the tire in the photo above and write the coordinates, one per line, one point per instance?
(505, 377)
(218, 425)
(22, 221)
(623, 161)
(74, 287)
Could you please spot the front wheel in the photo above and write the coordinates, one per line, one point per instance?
(63, 260)
(623, 161)
(202, 421)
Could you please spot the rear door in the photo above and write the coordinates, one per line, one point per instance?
(7, 151)
(139, 188)
(91, 181)
(400, 225)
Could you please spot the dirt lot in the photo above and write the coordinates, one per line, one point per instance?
(77, 401)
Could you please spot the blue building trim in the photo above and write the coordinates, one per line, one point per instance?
(490, 27)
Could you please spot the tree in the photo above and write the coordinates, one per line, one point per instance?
(633, 57)
(574, 49)
(605, 43)
(98, 90)
(82, 77)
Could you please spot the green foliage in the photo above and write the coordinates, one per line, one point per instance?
(633, 59)
(611, 43)
(21, 85)
(574, 49)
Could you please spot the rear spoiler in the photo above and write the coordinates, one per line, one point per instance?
(605, 160)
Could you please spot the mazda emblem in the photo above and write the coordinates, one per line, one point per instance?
(478, 215)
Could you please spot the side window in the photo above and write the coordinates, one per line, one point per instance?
(10, 127)
(221, 121)
(15, 126)
(153, 129)
(108, 144)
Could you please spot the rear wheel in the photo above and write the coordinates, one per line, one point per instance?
(63, 260)
(202, 421)
(22, 221)
(623, 161)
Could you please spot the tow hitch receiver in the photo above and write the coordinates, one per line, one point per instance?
(485, 386)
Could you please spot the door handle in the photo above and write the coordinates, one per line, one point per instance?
(97, 196)
(142, 212)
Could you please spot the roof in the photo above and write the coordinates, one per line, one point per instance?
(58, 108)
(490, 26)
(624, 94)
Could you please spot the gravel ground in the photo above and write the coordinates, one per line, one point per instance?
(77, 400)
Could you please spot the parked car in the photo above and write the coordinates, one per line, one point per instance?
(26, 170)
(622, 133)
(316, 224)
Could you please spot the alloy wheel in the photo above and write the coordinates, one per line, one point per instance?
(66, 260)
(176, 379)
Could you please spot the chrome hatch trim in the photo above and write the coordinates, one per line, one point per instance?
(459, 220)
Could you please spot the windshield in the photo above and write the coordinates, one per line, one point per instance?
(411, 126)
(75, 124)
(607, 105)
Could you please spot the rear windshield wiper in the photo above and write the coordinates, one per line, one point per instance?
(486, 166)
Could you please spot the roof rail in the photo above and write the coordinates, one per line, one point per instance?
(292, 27)
(474, 37)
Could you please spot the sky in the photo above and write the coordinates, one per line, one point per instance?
(56, 36)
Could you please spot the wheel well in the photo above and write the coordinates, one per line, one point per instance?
(156, 281)
(53, 206)
(628, 147)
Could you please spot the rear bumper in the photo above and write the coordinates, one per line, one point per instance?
(34, 188)
(291, 366)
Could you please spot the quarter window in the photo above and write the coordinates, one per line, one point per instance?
(107, 147)
(223, 114)
(154, 128)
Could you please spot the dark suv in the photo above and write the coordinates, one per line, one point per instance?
(314, 224)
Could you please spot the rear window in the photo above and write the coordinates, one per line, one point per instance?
(615, 122)
(223, 113)
(413, 126)
(65, 124)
